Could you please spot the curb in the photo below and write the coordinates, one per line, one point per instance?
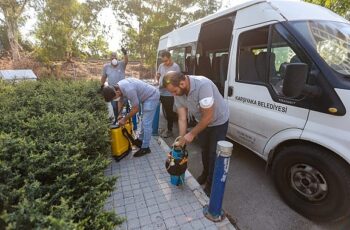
(197, 189)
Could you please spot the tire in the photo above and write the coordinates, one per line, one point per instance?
(313, 182)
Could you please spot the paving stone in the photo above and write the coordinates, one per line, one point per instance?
(163, 206)
(134, 224)
(153, 209)
(167, 214)
(170, 222)
(131, 215)
(197, 224)
(145, 220)
(130, 207)
(120, 209)
(186, 226)
(151, 201)
(177, 211)
(144, 195)
(181, 219)
(147, 227)
(142, 212)
(141, 204)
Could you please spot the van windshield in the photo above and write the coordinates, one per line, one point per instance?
(331, 40)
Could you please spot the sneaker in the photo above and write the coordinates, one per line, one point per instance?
(137, 143)
(202, 178)
(142, 151)
(167, 134)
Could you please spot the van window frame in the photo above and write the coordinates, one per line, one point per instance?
(258, 47)
(303, 102)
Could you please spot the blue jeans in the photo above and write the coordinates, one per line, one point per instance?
(115, 108)
(208, 139)
(148, 110)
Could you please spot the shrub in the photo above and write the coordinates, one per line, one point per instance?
(54, 149)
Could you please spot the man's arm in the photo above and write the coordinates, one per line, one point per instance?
(207, 117)
(120, 105)
(104, 76)
(206, 102)
(103, 80)
(133, 111)
(126, 58)
(157, 78)
(182, 120)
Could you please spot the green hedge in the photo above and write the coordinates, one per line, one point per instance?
(54, 148)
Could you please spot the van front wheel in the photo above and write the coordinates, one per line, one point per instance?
(313, 182)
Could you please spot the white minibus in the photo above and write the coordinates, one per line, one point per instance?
(284, 69)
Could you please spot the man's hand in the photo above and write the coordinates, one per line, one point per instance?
(122, 121)
(189, 137)
(124, 51)
(181, 142)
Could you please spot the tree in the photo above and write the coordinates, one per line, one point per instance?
(341, 7)
(144, 21)
(4, 44)
(12, 11)
(66, 30)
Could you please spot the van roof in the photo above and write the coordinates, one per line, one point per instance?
(288, 9)
(220, 13)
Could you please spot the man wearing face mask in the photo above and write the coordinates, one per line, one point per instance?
(113, 72)
(137, 92)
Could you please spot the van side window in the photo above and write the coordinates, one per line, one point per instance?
(281, 53)
(252, 56)
(179, 57)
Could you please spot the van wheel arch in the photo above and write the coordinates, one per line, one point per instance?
(274, 152)
(294, 162)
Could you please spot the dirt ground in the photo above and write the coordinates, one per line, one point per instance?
(77, 69)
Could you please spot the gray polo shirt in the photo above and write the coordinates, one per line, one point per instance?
(201, 88)
(137, 91)
(114, 73)
(162, 70)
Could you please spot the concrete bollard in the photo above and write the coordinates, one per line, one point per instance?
(214, 211)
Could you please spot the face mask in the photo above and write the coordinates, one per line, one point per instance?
(116, 99)
(114, 61)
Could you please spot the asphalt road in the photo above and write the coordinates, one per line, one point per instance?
(250, 196)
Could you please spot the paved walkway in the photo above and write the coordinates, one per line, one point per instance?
(147, 199)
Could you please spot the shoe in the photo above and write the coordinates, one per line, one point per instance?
(138, 143)
(141, 152)
(167, 134)
(207, 189)
(202, 178)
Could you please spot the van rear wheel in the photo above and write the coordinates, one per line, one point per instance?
(313, 182)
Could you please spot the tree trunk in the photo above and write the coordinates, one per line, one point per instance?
(12, 34)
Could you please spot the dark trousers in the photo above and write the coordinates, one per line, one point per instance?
(208, 139)
(168, 103)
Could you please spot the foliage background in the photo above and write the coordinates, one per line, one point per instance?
(72, 30)
(54, 148)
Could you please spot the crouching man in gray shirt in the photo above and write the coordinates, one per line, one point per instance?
(136, 92)
(199, 97)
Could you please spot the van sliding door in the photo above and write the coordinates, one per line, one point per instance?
(213, 48)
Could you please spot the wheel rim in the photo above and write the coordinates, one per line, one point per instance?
(308, 182)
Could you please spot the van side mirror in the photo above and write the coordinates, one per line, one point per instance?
(295, 76)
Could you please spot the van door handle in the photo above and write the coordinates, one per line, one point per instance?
(230, 91)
